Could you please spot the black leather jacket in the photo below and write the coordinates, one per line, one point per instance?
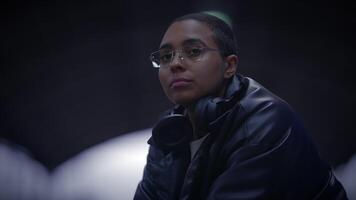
(260, 151)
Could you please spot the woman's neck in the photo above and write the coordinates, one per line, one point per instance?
(190, 111)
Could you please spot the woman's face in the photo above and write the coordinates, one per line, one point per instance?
(183, 80)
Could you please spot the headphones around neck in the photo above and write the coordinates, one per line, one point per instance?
(174, 131)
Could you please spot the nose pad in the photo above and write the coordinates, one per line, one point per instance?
(179, 56)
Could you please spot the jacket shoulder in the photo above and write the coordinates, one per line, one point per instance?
(268, 117)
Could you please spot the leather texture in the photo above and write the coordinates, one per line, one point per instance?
(257, 149)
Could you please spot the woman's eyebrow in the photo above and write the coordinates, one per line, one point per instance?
(166, 46)
(186, 42)
(193, 41)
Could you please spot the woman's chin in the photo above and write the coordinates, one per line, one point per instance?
(184, 101)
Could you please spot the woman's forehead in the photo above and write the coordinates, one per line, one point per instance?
(185, 31)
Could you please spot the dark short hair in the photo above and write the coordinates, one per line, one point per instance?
(223, 33)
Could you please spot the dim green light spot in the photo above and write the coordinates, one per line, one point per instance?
(221, 16)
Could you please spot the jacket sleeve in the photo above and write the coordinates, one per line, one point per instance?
(147, 188)
(278, 161)
(163, 174)
(143, 191)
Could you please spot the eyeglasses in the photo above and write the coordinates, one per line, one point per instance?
(164, 57)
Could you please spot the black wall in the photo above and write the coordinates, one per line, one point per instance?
(76, 74)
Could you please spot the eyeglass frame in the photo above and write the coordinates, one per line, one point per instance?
(181, 55)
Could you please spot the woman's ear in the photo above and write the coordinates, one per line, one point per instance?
(231, 66)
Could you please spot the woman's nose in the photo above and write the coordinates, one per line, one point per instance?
(177, 62)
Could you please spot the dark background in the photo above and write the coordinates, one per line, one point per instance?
(77, 74)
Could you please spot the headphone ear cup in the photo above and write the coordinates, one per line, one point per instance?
(206, 111)
(172, 132)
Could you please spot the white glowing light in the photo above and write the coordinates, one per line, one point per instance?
(107, 171)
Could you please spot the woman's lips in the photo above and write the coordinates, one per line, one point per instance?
(180, 82)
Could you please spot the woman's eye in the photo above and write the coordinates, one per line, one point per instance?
(166, 57)
(194, 52)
